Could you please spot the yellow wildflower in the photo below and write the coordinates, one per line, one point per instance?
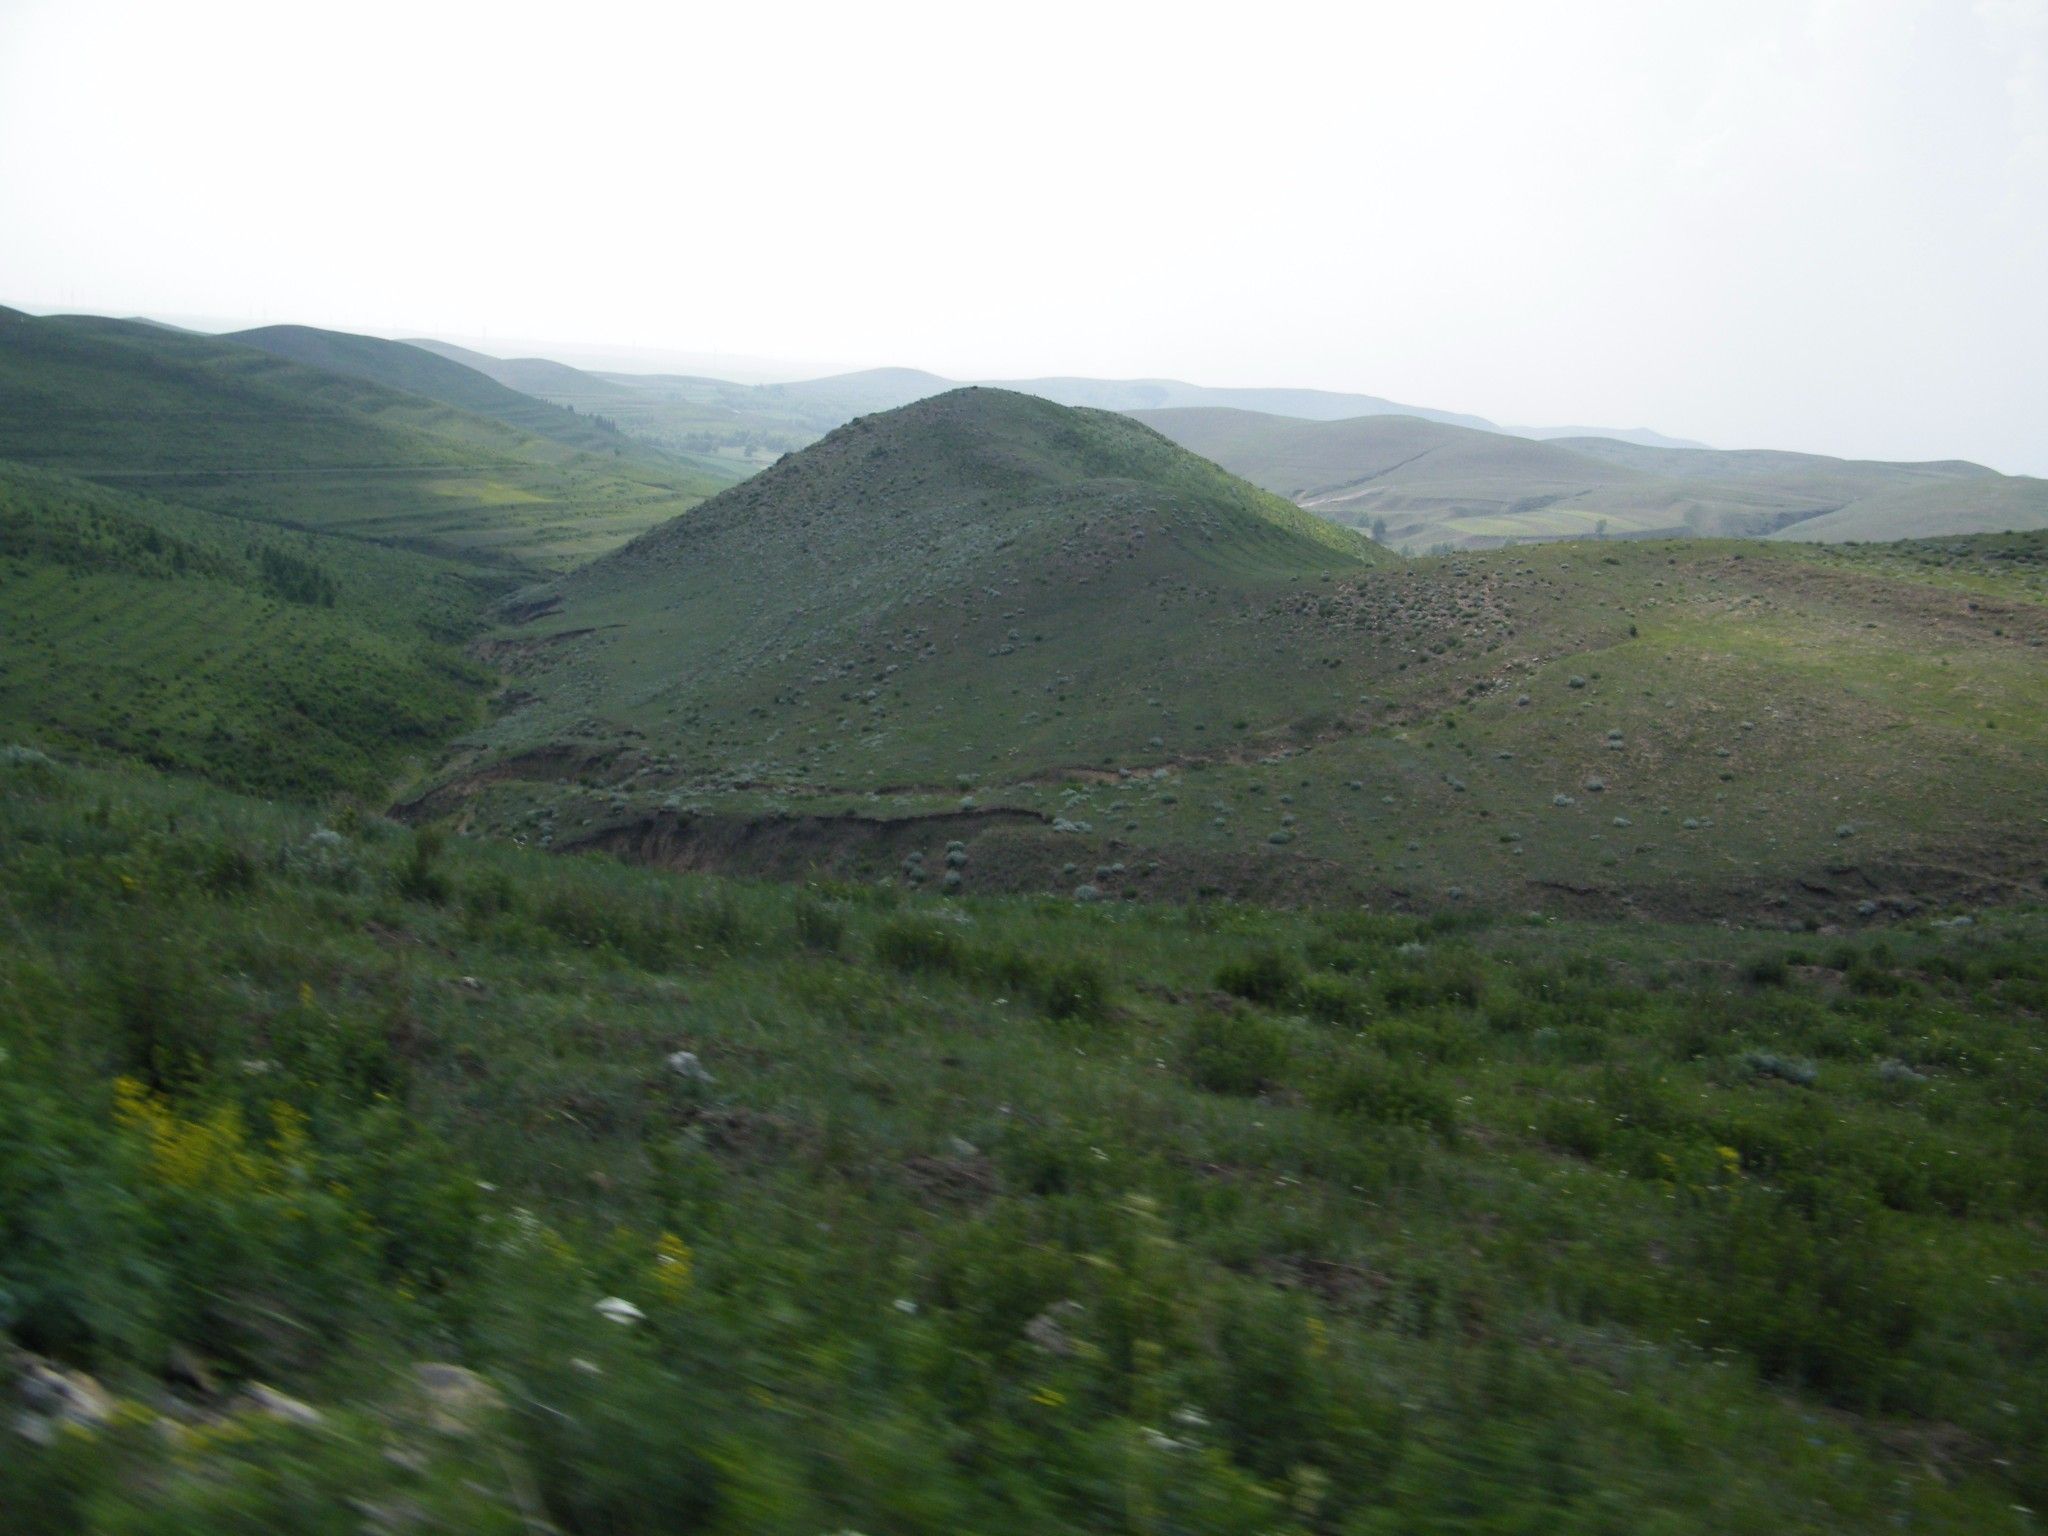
(671, 1265)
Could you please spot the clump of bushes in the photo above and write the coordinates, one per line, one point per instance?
(1266, 976)
(1231, 1051)
(420, 877)
(819, 927)
(911, 946)
(1384, 1093)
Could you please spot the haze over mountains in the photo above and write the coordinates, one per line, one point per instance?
(1426, 485)
(688, 409)
(1434, 478)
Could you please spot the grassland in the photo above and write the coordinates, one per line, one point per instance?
(279, 662)
(1432, 486)
(412, 370)
(1102, 664)
(232, 429)
(981, 1213)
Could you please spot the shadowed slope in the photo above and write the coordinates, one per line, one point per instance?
(217, 424)
(400, 365)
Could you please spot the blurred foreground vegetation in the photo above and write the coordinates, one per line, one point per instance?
(765, 1209)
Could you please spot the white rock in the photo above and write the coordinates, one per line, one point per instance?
(686, 1065)
(274, 1404)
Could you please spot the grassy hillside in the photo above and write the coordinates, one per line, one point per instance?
(747, 425)
(538, 376)
(1437, 487)
(281, 662)
(332, 1152)
(2001, 505)
(227, 428)
(1101, 663)
(402, 366)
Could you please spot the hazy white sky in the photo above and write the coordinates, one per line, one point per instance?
(1802, 223)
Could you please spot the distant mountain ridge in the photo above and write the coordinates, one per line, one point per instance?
(691, 412)
(1426, 485)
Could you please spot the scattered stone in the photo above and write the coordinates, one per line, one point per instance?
(53, 1399)
(459, 1401)
(1048, 1330)
(274, 1404)
(686, 1066)
(619, 1310)
(1795, 1070)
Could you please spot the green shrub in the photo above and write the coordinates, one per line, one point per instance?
(1265, 976)
(1232, 1052)
(1803, 1281)
(1383, 1093)
(909, 945)
(1076, 989)
(820, 927)
(164, 1031)
(420, 877)
(1767, 971)
(1333, 1000)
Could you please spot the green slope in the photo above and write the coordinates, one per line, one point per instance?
(1437, 486)
(1997, 504)
(223, 426)
(402, 366)
(989, 1216)
(961, 544)
(538, 376)
(283, 662)
(1133, 663)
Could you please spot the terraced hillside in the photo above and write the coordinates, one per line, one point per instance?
(1427, 486)
(228, 428)
(1096, 661)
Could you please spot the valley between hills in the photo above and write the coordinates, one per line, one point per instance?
(613, 955)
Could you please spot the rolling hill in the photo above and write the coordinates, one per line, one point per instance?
(227, 427)
(1097, 660)
(357, 1176)
(275, 661)
(740, 426)
(401, 366)
(1446, 487)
